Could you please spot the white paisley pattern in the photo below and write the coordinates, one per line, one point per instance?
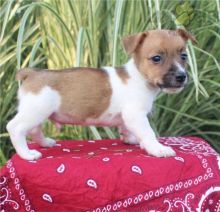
(204, 199)
(180, 203)
(188, 145)
(6, 192)
(5, 197)
(188, 202)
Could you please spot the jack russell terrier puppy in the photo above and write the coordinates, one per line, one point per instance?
(107, 96)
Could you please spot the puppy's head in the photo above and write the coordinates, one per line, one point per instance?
(160, 56)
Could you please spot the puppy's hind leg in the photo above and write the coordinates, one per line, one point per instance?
(18, 129)
(32, 111)
(38, 136)
(127, 136)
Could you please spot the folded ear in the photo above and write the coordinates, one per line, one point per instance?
(186, 35)
(132, 42)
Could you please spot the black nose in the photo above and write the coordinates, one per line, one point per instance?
(181, 77)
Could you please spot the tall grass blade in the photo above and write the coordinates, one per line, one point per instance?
(21, 34)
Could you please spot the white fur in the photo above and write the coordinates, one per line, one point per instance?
(172, 90)
(32, 111)
(130, 103)
(183, 70)
(180, 67)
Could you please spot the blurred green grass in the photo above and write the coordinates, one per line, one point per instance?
(59, 34)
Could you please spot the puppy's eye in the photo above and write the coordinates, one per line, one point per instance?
(184, 56)
(156, 59)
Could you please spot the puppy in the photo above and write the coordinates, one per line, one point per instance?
(107, 96)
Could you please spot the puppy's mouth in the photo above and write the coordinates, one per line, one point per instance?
(171, 88)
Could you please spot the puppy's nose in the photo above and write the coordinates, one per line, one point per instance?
(181, 77)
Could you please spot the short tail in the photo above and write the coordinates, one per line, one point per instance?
(24, 74)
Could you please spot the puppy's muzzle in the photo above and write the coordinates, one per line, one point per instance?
(174, 80)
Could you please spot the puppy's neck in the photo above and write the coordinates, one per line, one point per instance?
(136, 76)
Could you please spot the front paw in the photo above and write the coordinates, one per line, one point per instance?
(159, 150)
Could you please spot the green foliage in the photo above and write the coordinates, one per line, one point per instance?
(58, 34)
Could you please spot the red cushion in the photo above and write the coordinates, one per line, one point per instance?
(108, 175)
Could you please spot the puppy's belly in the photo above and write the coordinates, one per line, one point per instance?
(105, 120)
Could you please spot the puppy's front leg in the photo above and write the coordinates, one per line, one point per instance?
(138, 124)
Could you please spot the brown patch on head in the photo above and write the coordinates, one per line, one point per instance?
(132, 42)
(186, 35)
(85, 92)
(122, 73)
(167, 44)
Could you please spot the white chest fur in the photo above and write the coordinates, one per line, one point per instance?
(135, 94)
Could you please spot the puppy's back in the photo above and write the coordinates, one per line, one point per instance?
(85, 92)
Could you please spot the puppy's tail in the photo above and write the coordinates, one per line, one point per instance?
(24, 73)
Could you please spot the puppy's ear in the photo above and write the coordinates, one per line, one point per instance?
(132, 42)
(186, 35)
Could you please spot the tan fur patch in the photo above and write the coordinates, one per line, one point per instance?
(85, 92)
(123, 74)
